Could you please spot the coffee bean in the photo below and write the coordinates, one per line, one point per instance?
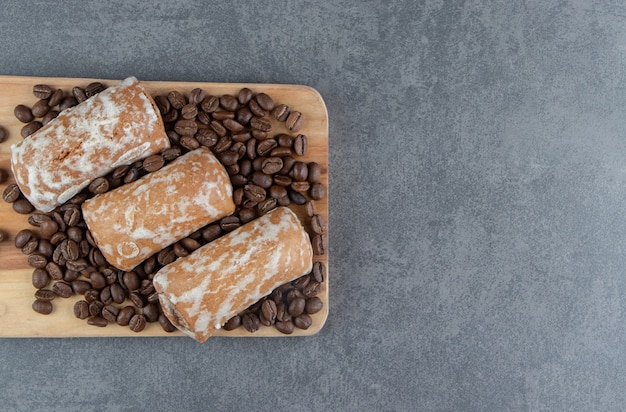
(131, 280)
(92, 295)
(317, 191)
(99, 185)
(94, 88)
(40, 278)
(189, 111)
(45, 295)
(267, 205)
(272, 165)
(153, 163)
(265, 147)
(230, 223)
(95, 308)
(117, 293)
(80, 286)
(42, 306)
(315, 171)
(137, 323)
(166, 324)
(303, 321)
(23, 113)
(110, 312)
(232, 125)
(268, 309)
(296, 197)
(79, 94)
(131, 175)
(247, 214)
(244, 95)
(256, 109)
(57, 217)
(254, 193)
(318, 225)
(311, 289)
(81, 309)
(261, 179)
(22, 237)
(299, 171)
(265, 101)
(166, 256)
(277, 191)
(69, 249)
(171, 153)
(42, 91)
(211, 232)
(243, 116)
(171, 116)
(23, 206)
(232, 323)
(37, 260)
(280, 152)
(294, 121)
(98, 321)
(70, 275)
(67, 102)
(319, 271)
(301, 282)
(310, 209)
(190, 244)
(218, 128)
(260, 123)
(4, 134)
(124, 316)
(300, 145)
(54, 270)
(282, 314)
(284, 140)
(151, 312)
(281, 112)
(229, 102)
(288, 163)
(40, 108)
(177, 100)
(320, 244)
(163, 104)
(31, 246)
(210, 104)
(48, 117)
(223, 115)
(72, 215)
(282, 180)
(228, 157)
(285, 327)
(180, 251)
(62, 289)
(250, 322)
(301, 187)
(196, 96)
(313, 305)
(97, 279)
(75, 233)
(186, 127)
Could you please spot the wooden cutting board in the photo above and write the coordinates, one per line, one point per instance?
(17, 319)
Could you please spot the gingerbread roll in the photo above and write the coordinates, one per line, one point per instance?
(137, 220)
(116, 126)
(200, 292)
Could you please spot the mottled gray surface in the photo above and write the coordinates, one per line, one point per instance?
(478, 194)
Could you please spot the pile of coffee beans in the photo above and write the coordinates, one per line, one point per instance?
(266, 170)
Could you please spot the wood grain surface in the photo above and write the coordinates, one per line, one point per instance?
(17, 319)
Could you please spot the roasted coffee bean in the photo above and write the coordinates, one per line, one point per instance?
(67, 102)
(117, 293)
(313, 305)
(163, 104)
(99, 186)
(211, 232)
(23, 113)
(311, 289)
(296, 306)
(280, 152)
(186, 127)
(72, 215)
(98, 321)
(243, 116)
(81, 309)
(48, 117)
(42, 91)
(244, 95)
(36, 219)
(230, 223)
(288, 163)
(69, 249)
(259, 134)
(318, 225)
(292, 294)
(42, 306)
(268, 309)
(232, 323)
(281, 112)
(296, 197)
(151, 312)
(284, 140)
(204, 118)
(40, 278)
(310, 209)
(70, 275)
(223, 144)
(92, 295)
(223, 115)
(177, 100)
(80, 286)
(303, 321)
(31, 246)
(166, 256)
(301, 187)
(228, 158)
(317, 191)
(98, 281)
(247, 214)
(180, 251)
(285, 327)
(131, 175)
(40, 108)
(166, 324)
(299, 171)
(110, 312)
(23, 237)
(314, 173)
(153, 298)
(94, 88)
(146, 288)
(124, 316)
(105, 295)
(232, 125)
(301, 282)
(45, 295)
(137, 323)
(256, 109)
(294, 121)
(300, 145)
(171, 116)
(265, 101)
(23, 206)
(320, 244)
(75, 233)
(54, 270)
(173, 136)
(284, 201)
(62, 289)
(206, 137)
(272, 165)
(319, 271)
(261, 179)
(57, 217)
(131, 280)
(277, 191)
(37, 260)
(267, 205)
(196, 96)
(189, 111)
(171, 153)
(229, 102)
(251, 149)
(57, 98)
(218, 128)
(282, 314)
(254, 193)
(210, 104)
(79, 94)
(190, 244)
(260, 123)
(282, 180)
(153, 163)
(120, 171)
(251, 322)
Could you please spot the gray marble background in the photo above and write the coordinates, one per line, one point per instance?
(478, 194)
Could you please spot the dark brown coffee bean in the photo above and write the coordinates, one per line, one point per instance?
(110, 312)
(303, 321)
(180, 251)
(244, 95)
(153, 298)
(67, 102)
(260, 123)
(296, 197)
(230, 223)
(45, 295)
(277, 191)
(229, 102)
(282, 314)
(284, 140)
(131, 280)
(42, 91)
(173, 136)
(92, 295)
(151, 311)
(267, 205)
(210, 104)
(254, 193)
(311, 289)
(23, 113)
(218, 128)
(320, 244)
(48, 227)
(282, 180)
(80, 286)
(132, 175)
(223, 144)
(58, 217)
(265, 101)
(98, 321)
(153, 163)
(318, 225)
(98, 281)
(186, 127)
(124, 316)
(232, 125)
(48, 117)
(243, 116)
(285, 327)
(99, 186)
(229, 158)
(37, 260)
(171, 153)
(301, 282)
(196, 96)
(280, 152)
(79, 94)
(166, 256)
(206, 137)
(72, 215)
(23, 237)
(23, 206)
(211, 232)
(54, 270)
(301, 187)
(223, 115)
(120, 171)
(31, 246)
(300, 145)
(163, 104)
(171, 116)
(81, 309)
(166, 324)
(268, 309)
(94, 88)
(69, 249)
(75, 233)
(190, 244)
(262, 180)
(251, 149)
(247, 214)
(256, 109)
(313, 305)
(315, 171)
(319, 271)
(105, 295)
(137, 323)
(232, 323)
(294, 121)
(42, 306)
(296, 306)
(272, 165)
(117, 293)
(265, 147)
(40, 278)
(288, 163)
(189, 111)
(62, 289)
(317, 191)
(177, 100)
(299, 171)
(40, 108)
(251, 322)
(146, 288)
(281, 112)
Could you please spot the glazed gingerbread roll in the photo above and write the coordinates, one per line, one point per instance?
(137, 220)
(115, 127)
(200, 292)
